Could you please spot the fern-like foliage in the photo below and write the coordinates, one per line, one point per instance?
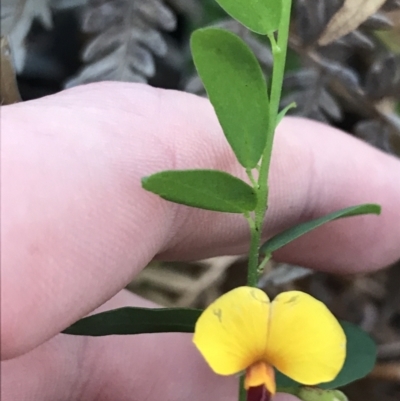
(191, 9)
(125, 37)
(17, 17)
(383, 77)
(343, 74)
(307, 88)
(65, 4)
(10, 13)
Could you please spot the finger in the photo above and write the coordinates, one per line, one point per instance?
(149, 367)
(76, 225)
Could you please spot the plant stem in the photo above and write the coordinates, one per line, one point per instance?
(242, 390)
(251, 178)
(279, 50)
(262, 265)
(252, 272)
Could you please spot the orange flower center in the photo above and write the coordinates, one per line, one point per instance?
(260, 373)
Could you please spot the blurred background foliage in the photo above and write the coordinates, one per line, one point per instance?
(352, 83)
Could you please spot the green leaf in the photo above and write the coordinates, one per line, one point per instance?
(260, 16)
(360, 360)
(136, 321)
(284, 111)
(289, 235)
(204, 189)
(236, 88)
(285, 384)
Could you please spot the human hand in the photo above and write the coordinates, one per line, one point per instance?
(77, 226)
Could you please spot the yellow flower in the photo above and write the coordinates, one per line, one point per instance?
(244, 331)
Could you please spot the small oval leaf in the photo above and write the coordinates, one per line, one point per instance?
(289, 235)
(360, 360)
(236, 87)
(204, 189)
(136, 321)
(260, 16)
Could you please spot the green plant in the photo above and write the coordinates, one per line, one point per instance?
(249, 114)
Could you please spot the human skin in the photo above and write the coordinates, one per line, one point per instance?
(76, 227)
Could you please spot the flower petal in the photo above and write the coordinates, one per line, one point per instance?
(305, 341)
(231, 333)
(260, 373)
